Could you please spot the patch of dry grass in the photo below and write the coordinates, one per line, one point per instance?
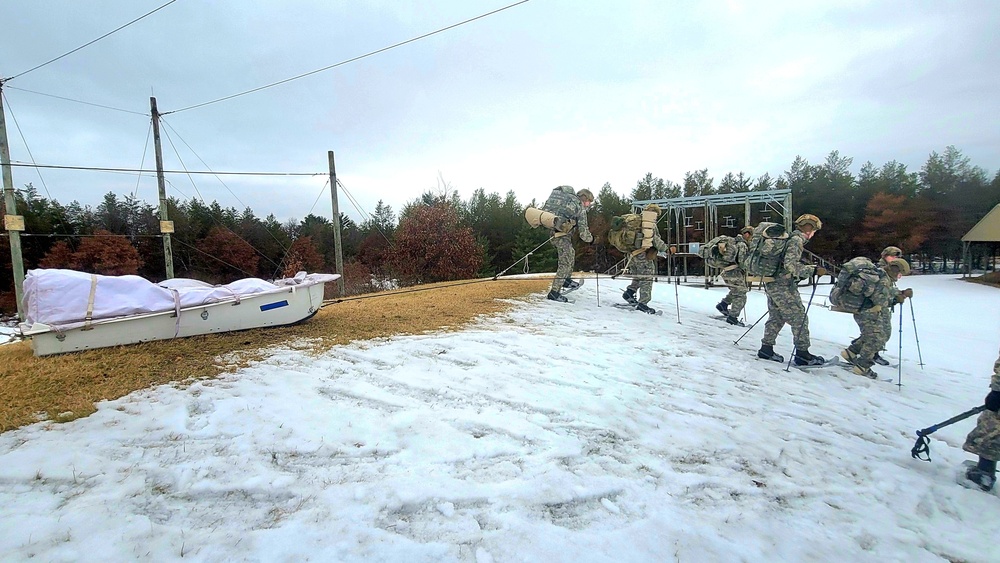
(65, 387)
(991, 278)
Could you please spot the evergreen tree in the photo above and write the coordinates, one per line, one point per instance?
(698, 183)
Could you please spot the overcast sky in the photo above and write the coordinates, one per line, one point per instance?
(544, 93)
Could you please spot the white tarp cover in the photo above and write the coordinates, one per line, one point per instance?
(60, 297)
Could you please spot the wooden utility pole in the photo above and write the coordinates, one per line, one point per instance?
(338, 247)
(166, 225)
(13, 222)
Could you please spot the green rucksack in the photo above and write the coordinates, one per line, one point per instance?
(721, 252)
(626, 232)
(857, 286)
(767, 250)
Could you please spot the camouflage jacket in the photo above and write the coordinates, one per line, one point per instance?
(793, 266)
(995, 382)
(887, 292)
(564, 202)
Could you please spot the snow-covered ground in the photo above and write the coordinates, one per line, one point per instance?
(554, 432)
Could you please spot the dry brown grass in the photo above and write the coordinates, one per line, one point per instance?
(992, 278)
(66, 387)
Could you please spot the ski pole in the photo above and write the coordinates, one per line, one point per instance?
(737, 341)
(899, 366)
(922, 445)
(597, 278)
(677, 299)
(805, 319)
(914, 317)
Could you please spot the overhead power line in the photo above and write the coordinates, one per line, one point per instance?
(90, 42)
(26, 147)
(143, 171)
(77, 101)
(351, 60)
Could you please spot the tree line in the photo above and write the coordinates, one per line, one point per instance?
(440, 237)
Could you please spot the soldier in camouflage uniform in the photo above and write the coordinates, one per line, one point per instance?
(569, 206)
(643, 267)
(874, 334)
(784, 304)
(984, 440)
(889, 254)
(736, 279)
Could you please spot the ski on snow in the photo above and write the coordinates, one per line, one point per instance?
(631, 307)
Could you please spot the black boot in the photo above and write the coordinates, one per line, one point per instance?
(629, 296)
(766, 352)
(645, 308)
(556, 296)
(723, 308)
(880, 360)
(983, 474)
(734, 320)
(804, 358)
(571, 284)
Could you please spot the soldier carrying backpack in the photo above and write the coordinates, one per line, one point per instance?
(638, 237)
(562, 211)
(730, 254)
(889, 254)
(775, 260)
(866, 291)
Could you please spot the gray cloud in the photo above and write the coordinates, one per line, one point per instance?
(544, 93)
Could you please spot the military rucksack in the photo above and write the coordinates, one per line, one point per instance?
(767, 250)
(857, 286)
(626, 232)
(721, 252)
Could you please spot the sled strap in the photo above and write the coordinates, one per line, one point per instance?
(730, 267)
(177, 311)
(90, 304)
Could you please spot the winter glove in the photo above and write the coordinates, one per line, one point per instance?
(821, 271)
(992, 401)
(587, 237)
(908, 292)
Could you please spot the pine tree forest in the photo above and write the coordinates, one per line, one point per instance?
(440, 237)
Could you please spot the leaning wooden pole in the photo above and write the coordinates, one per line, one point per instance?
(338, 247)
(13, 222)
(166, 225)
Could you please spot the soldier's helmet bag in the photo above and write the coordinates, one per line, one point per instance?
(857, 286)
(767, 250)
(720, 252)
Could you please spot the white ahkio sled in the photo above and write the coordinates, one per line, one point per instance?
(67, 311)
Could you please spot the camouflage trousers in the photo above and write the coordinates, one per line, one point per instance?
(567, 258)
(737, 297)
(642, 271)
(984, 440)
(873, 336)
(784, 306)
(885, 319)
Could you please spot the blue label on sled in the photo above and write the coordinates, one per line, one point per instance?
(274, 305)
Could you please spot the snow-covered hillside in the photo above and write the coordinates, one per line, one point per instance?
(554, 432)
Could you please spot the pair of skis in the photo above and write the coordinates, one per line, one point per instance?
(577, 284)
(632, 307)
(833, 361)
